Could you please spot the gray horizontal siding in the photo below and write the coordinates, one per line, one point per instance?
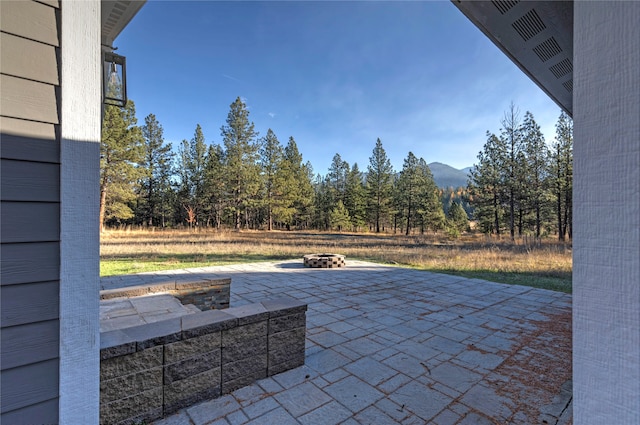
(41, 413)
(29, 181)
(30, 211)
(28, 385)
(29, 262)
(30, 222)
(30, 343)
(27, 303)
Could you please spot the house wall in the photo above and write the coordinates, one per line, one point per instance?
(606, 276)
(30, 211)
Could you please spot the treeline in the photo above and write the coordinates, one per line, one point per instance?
(255, 182)
(520, 186)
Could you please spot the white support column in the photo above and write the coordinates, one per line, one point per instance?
(80, 117)
(606, 277)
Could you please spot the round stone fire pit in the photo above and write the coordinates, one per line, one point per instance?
(324, 261)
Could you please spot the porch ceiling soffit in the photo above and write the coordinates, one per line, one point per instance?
(116, 14)
(536, 35)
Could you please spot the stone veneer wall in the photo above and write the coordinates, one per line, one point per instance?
(206, 294)
(149, 371)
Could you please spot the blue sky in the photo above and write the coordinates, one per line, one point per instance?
(334, 75)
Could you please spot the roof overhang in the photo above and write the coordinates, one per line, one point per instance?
(116, 14)
(536, 35)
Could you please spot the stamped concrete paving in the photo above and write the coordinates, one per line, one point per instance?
(387, 345)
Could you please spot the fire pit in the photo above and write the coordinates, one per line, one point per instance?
(324, 261)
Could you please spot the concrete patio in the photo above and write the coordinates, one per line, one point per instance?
(388, 345)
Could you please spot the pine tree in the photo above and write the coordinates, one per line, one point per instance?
(561, 171)
(409, 191)
(120, 154)
(511, 141)
(535, 183)
(156, 165)
(355, 198)
(337, 179)
(430, 210)
(339, 217)
(275, 174)
(242, 178)
(485, 186)
(379, 186)
(192, 156)
(214, 184)
(301, 185)
(457, 218)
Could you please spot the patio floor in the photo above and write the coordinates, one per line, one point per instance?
(389, 345)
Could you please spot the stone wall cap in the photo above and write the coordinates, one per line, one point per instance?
(283, 305)
(156, 333)
(249, 313)
(197, 324)
(116, 343)
(201, 283)
(138, 290)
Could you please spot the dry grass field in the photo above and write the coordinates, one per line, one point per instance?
(545, 264)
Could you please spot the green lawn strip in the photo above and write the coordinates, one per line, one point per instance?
(128, 265)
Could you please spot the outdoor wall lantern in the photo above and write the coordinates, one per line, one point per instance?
(114, 79)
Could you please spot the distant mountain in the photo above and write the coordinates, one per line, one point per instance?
(447, 176)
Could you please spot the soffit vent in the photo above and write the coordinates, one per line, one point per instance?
(562, 68)
(504, 5)
(547, 49)
(568, 85)
(529, 25)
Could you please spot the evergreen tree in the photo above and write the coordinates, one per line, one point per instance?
(355, 198)
(192, 192)
(276, 175)
(156, 166)
(301, 185)
(561, 171)
(457, 218)
(242, 178)
(511, 144)
(485, 186)
(430, 210)
(120, 153)
(535, 183)
(339, 217)
(337, 179)
(214, 184)
(410, 190)
(379, 186)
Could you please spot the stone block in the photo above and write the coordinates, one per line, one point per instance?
(115, 343)
(155, 334)
(284, 353)
(286, 323)
(250, 313)
(291, 363)
(252, 366)
(190, 347)
(284, 306)
(241, 334)
(146, 404)
(191, 366)
(206, 322)
(287, 337)
(243, 381)
(131, 363)
(127, 385)
(196, 388)
(243, 349)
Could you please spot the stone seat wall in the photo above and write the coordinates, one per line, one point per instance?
(206, 294)
(150, 371)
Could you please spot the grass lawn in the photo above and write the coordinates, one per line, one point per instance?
(545, 264)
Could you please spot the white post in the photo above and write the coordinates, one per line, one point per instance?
(606, 277)
(80, 121)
